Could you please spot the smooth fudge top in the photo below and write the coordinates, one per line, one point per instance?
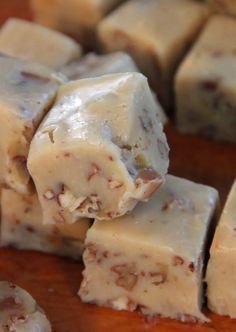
(214, 50)
(175, 218)
(34, 42)
(225, 235)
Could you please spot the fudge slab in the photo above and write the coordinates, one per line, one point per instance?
(223, 6)
(100, 149)
(30, 41)
(93, 65)
(22, 227)
(221, 269)
(157, 33)
(152, 259)
(27, 90)
(206, 83)
(19, 311)
(75, 17)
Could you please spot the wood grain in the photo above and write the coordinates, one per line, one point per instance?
(54, 281)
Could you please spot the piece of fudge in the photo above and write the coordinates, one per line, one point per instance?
(100, 150)
(30, 41)
(27, 90)
(221, 269)
(93, 65)
(22, 227)
(19, 311)
(205, 83)
(75, 17)
(153, 258)
(157, 33)
(223, 6)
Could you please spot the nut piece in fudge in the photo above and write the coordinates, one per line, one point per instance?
(223, 6)
(22, 228)
(157, 33)
(153, 258)
(93, 65)
(206, 83)
(30, 41)
(27, 91)
(76, 18)
(221, 269)
(100, 149)
(19, 311)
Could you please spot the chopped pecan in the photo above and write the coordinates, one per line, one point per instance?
(127, 276)
(113, 184)
(158, 278)
(95, 170)
(147, 175)
(177, 260)
(191, 267)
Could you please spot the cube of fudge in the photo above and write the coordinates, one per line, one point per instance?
(221, 269)
(22, 228)
(157, 33)
(206, 83)
(27, 90)
(223, 6)
(153, 258)
(100, 150)
(75, 17)
(30, 41)
(93, 65)
(19, 311)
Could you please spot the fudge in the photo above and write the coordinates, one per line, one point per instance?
(30, 41)
(100, 149)
(223, 6)
(152, 259)
(22, 227)
(75, 17)
(93, 65)
(205, 83)
(27, 90)
(19, 311)
(221, 269)
(157, 33)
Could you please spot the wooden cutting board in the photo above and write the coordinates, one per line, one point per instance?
(54, 281)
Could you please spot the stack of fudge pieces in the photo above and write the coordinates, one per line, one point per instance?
(197, 82)
(83, 166)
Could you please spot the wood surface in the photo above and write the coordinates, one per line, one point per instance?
(54, 281)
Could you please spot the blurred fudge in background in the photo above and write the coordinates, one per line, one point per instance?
(157, 33)
(206, 83)
(223, 6)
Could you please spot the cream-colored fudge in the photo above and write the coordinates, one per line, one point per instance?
(221, 269)
(76, 17)
(206, 83)
(93, 65)
(223, 6)
(19, 311)
(27, 91)
(157, 33)
(30, 41)
(22, 227)
(100, 150)
(153, 258)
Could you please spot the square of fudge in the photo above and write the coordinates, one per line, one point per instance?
(221, 269)
(205, 83)
(157, 33)
(152, 259)
(27, 91)
(33, 42)
(22, 227)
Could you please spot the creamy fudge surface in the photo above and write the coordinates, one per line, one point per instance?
(223, 6)
(205, 83)
(93, 65)
(22, 227)
(100, 149)
(143, 29)
(34, 42)
(27, 90)
(153, 257)
(221, 269)
(19, 311)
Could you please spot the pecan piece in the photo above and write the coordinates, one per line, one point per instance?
(126, 276)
